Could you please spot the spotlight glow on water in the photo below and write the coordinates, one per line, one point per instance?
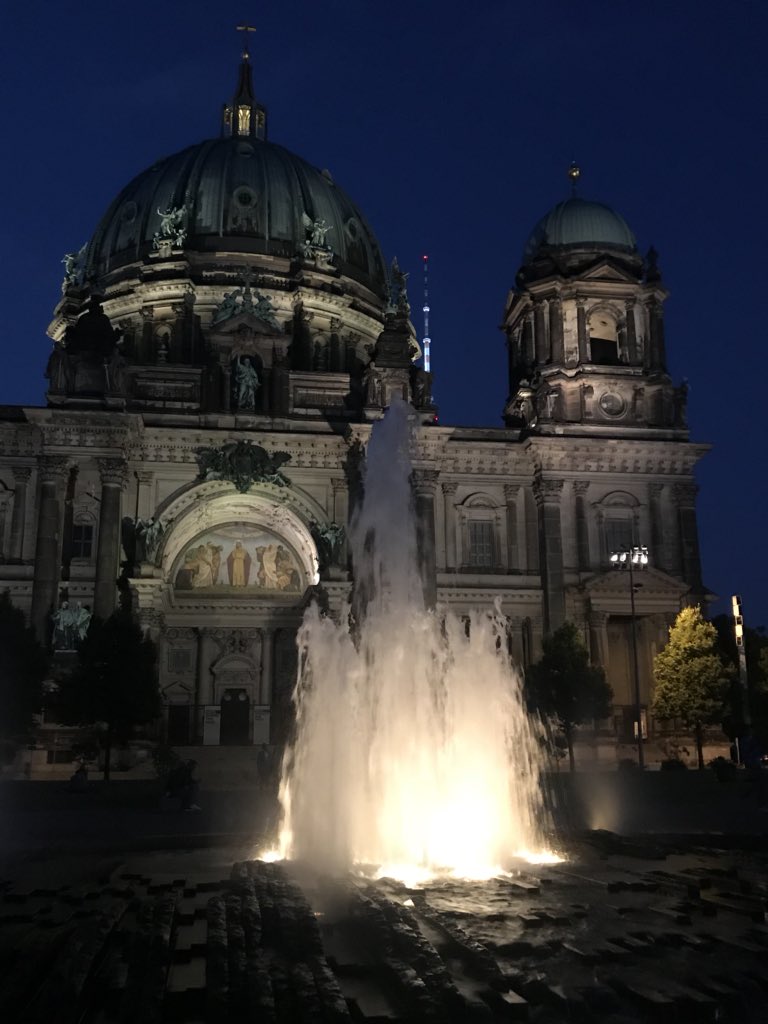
(413, 749)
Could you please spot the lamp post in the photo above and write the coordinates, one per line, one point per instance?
(633, 560)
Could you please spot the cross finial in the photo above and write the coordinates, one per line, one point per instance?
(246, 29)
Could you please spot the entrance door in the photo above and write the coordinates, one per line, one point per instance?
(178, 725)
(235, 718)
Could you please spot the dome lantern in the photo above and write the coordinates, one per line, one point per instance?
(244, 117)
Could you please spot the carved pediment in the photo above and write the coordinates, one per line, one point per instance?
(607, 270)
(244, 325)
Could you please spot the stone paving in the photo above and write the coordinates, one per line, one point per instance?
(623, 931)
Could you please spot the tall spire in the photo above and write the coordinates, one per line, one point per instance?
(244, 116)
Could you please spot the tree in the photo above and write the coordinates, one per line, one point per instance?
(563, 685)
(114, 683)
(692, 683)
(23, 667)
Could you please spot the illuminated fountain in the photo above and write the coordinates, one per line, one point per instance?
(413, 751)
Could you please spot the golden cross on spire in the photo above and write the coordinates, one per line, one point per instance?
(246, 29)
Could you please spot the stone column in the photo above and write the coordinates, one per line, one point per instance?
(631, 332)
(556, 330)
(449, 512)
(598, 638)
(658, 549)
(52, 470)
(685, 499)
(424, 485)
(113, 477)
(581, 328)
(526, 341)
(511, 496)
(225, 396)
(266, 686)
(580, 488)
(341, 513)
(540, 332)
(21, 475)
(657, 358)
(548, 494)
(202, 685)
(531, 532)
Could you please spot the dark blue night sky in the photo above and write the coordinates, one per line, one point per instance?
(452, 127)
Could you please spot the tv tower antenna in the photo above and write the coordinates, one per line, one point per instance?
(425, 309)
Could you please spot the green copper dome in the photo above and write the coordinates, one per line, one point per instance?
(580, 223)
(239, 195)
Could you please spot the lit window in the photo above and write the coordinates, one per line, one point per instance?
(82, 540)
(243, 120)
(481, 545)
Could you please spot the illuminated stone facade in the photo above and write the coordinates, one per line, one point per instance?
(233, 293)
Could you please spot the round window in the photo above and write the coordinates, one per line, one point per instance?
(612, 404)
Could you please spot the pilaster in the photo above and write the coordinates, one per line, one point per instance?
(424, 486)
(52, 470)
(511, 497)
(580, 488)
(21, 475)
(449, 513)
(113, 479)
(548, 494)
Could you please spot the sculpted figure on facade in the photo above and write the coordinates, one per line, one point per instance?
(243, 300)
(247, 383)
(172, 233)
(329, 540)
(70, 626)
(74, 269)
(60, 370)
(242, 463)
(315, 231)
(398, 290)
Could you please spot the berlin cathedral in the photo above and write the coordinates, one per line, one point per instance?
(221, 349)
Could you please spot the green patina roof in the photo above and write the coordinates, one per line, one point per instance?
(580, 223)
(241, 195)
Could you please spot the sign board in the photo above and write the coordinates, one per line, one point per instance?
(260, 724)
(211, 725)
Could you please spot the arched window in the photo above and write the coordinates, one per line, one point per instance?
(480, 522)
(619, 524)
(603, 325)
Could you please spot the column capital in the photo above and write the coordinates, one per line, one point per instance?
(147, 313)
(425, 482)
(52, 468)
(580, 487)
(686, 493)
(113, 472)
(597, 618)
(145, 476)
(512, 492)
(338, 483)
(655, 490)
(449, 487)
(547, 490)
(21, 474)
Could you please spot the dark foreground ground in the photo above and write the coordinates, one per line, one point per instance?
(115, 910)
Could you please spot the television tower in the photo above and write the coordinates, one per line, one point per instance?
(425, 309)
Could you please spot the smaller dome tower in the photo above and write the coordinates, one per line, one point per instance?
(585, 328)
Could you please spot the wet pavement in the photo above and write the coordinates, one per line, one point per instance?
(119, 909)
